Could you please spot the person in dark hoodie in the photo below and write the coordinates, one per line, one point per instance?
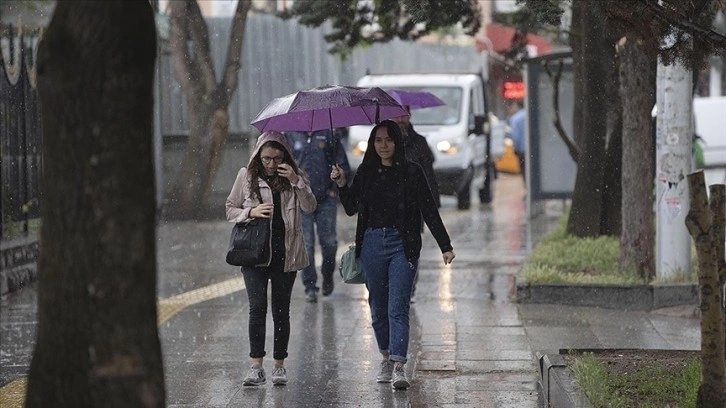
(419, 151)
(390, 195)
(315, 153)
(272, 186)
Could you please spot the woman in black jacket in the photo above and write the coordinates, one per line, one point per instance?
(391, 196)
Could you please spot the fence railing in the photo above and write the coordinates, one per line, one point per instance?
(20, 135)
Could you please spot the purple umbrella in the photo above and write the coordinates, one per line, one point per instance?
(327, 107)
(415, 99)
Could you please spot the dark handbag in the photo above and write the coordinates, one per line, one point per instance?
(249, 244)
(350, 270)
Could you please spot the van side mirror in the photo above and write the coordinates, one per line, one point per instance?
(481, 125)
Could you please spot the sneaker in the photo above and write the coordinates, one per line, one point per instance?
(328, 286)
(256, 376)
(279, 375)
(311, 296)
(399, 380)
(384, 375)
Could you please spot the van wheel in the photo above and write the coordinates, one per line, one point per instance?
(464, 197)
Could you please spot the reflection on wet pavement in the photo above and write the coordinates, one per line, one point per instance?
(470, 346)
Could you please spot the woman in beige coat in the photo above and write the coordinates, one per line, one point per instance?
(272, 186)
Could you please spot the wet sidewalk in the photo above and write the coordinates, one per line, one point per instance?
(470, 345)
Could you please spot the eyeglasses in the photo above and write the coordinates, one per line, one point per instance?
(277, 160)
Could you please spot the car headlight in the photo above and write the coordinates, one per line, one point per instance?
(447, 147)
(360, 148)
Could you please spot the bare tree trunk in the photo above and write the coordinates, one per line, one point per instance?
(207, 101)
(97, 342)
(637, 87)
(699, 222)
(587, 198)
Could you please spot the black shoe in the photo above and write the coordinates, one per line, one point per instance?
(311, 296)
(328, 286)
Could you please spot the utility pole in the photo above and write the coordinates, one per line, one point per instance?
(674, 139)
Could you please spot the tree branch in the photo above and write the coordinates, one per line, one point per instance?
(230, 77)
(199, 34)
(681, 21)
(571, 146)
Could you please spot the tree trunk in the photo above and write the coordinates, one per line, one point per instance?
(207, 101)
(611, 217)
(699, 222)
(587, 198)
(97, 341)
(637, 87)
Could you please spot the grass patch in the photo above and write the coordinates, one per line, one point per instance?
(656, 385)
(563, 258)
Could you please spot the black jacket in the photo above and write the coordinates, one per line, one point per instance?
(419, 151)
(418, 203)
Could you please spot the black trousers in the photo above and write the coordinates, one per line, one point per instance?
(256, 282)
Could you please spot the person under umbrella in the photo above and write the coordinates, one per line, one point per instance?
(316, 153)
(390, 195)
(273, 187)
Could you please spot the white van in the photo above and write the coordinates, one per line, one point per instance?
(458, 132)
(710, 124)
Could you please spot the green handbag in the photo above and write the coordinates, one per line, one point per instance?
(350, 270)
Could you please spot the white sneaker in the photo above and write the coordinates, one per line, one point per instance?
(400, 382)
(386, 371)
(279, 375)
(255, 376)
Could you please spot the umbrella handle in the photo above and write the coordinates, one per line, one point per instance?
(377, 112)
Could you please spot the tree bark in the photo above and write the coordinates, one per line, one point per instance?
(585, 219)
(699, 222)
(637, 88)
(207, 101)
(97, 341)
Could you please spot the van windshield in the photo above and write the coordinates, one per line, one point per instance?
(449, 114)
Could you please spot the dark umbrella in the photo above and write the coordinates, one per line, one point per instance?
(415, 99)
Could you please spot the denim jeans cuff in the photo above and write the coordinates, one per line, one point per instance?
(397, 359)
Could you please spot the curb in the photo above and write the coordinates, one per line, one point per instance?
(633, 297)
(557, 387)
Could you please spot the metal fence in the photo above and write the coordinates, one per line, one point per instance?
(20, 135)
(280, 57)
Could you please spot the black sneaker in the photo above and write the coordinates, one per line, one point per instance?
(328, 286)
(311, 296)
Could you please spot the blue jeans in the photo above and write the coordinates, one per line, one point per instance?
(324, 217)
(389, 278)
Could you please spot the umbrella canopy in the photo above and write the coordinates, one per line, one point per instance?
(327, 107)
(415, 99)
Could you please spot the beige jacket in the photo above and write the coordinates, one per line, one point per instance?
(241, 201)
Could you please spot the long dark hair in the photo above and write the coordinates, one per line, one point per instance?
(256, 170)
(371, 159)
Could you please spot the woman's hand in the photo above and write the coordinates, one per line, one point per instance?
(337, 175)
(448, 257)
(285, 170)
(261, 211)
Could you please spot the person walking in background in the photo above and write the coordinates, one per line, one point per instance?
(316, 153)
(272, 186)
(517, 118)
(390, 195)
(418, 151)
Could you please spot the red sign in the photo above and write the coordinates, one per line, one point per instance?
(513, 90)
